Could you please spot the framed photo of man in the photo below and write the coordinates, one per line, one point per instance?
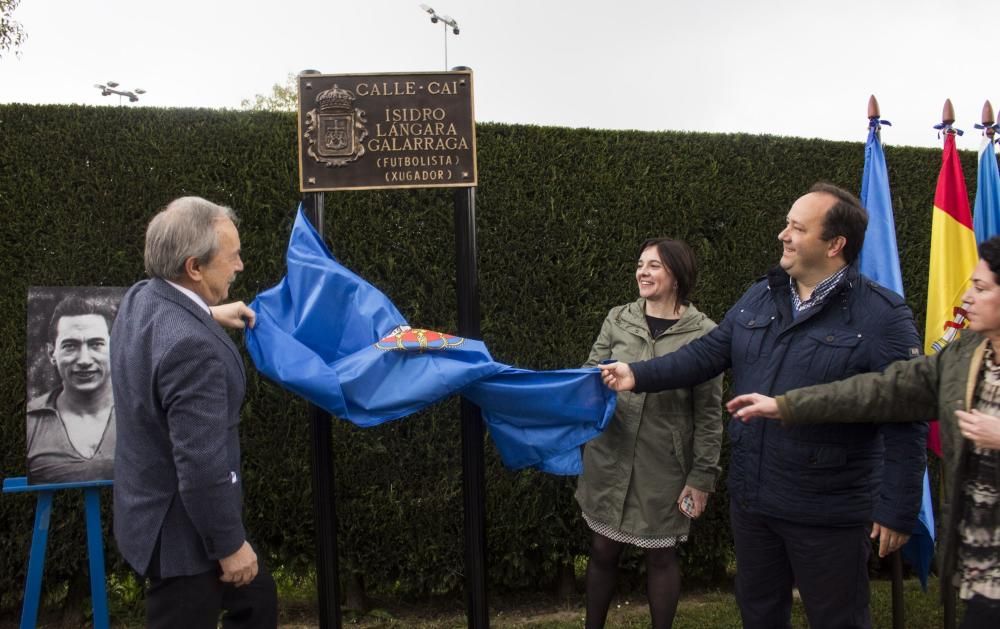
(70, 414)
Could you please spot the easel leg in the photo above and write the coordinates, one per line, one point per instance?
(95, 550)
(36, 561)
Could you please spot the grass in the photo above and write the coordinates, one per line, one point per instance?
(700, 609)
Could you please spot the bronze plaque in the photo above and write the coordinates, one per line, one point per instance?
(366, 131)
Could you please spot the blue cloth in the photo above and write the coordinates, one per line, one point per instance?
(329, 336)
(880, 261)
(986, 214)
(919, 550)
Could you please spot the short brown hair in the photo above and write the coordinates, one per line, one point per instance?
(846, 217)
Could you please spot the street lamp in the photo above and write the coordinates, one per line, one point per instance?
(109, 89)
(446, 21)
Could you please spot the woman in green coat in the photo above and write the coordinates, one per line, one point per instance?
(654, 467)
(960, 386)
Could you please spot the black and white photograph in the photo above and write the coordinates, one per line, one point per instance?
(70, 415)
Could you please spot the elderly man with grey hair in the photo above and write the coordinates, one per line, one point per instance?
(178, 383)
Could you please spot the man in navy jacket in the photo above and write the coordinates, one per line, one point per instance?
(178, 383)
(804, 500)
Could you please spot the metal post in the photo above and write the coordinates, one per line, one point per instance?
(898, 610)
(327, 569)
(950, 605)
(473, 468)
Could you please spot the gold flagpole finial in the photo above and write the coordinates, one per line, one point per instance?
(987, 119)
(873, 111)
(948, 112)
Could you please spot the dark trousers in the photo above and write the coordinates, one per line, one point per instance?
(828, 565)
(981, 613)
(196, 602)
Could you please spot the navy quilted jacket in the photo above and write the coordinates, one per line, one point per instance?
(823, 474)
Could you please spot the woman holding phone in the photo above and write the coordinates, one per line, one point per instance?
(651, 472)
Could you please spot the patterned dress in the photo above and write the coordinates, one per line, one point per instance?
(979, 529)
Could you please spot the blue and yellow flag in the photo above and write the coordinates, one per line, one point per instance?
(329, 336)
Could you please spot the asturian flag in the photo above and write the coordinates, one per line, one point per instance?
(880, 262)
(331, 337)
(986, 214)
(879, 254)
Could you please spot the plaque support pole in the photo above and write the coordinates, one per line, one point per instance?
(898, 610)
(324, 505)
(473, 468)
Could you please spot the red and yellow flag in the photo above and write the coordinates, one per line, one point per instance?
(953, 258)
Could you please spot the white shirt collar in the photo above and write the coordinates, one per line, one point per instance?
(193, 296)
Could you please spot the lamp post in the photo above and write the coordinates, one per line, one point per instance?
(446, 21)
(109, 89)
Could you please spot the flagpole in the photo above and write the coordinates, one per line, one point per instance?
(874, 114)
(986, 213)
(948, 117)
(987, 120)
(896, 558)
(948, 594)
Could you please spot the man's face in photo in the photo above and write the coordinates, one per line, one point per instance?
(81, 352)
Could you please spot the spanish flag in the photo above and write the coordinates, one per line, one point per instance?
(953, 258)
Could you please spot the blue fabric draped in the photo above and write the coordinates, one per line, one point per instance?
(880, 262)
(329, 336)
(986, 213)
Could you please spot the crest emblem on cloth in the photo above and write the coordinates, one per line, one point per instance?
(335, 128)
(418, 340)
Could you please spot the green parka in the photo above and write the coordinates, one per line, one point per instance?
(922, 389)
(656, 443)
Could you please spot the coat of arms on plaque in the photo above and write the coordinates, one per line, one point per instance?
(335, 128)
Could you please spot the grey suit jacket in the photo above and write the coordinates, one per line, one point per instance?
(178, 384)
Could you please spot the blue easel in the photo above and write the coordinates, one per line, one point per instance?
(40, 538)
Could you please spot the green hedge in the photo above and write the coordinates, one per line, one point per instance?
(560, 212)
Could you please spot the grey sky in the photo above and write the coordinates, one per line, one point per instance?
(802, 67)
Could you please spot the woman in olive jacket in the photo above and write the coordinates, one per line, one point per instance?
(652, 470)
(960, 386)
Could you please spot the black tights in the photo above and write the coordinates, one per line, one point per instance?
(663, 582)
(981, 612)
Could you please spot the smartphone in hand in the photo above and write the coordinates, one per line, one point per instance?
(687, 506)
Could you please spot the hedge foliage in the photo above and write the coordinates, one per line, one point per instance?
(560, 213)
